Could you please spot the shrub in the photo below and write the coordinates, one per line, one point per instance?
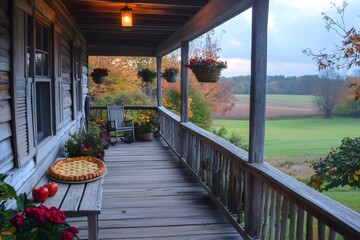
(340, 168)
(199, 107)
(235, 138)
(350, 108)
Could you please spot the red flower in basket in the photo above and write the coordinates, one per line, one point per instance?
(99, 72)
(206, 69)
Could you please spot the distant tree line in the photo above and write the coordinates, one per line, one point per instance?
(278, 84)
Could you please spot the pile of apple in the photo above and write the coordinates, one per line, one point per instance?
(40, 194)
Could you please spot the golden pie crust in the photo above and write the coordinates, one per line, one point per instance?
(77, 169)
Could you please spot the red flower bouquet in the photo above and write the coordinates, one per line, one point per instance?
(43, 223)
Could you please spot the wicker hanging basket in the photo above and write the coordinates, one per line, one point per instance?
(99, 79)
(204, 75)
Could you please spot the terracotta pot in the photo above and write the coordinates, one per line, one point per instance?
(147, 136)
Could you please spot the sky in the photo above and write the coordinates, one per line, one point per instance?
(294, 25)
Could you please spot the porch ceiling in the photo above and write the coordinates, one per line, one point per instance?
(159, 26)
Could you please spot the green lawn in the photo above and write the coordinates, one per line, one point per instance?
(282, 100)
(296, 137)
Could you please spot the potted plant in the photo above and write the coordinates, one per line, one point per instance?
(148, 124)
(206, 69)
(170, 74)
(91, 142)
(146, 74)
(98, 75)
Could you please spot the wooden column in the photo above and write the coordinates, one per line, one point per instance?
(260, 9)
(159, 83)
(184, 82)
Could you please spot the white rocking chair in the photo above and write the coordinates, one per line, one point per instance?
(116, 121)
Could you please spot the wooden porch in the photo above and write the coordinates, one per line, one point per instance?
(148, 194)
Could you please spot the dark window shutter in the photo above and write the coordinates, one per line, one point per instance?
(22, 112)
(58, 85)
(23, 118)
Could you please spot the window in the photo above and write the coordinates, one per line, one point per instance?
(42, 81)
(41, 50)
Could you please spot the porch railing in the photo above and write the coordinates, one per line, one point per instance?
(289, 208)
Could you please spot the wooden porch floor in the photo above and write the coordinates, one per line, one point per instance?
(149, 195)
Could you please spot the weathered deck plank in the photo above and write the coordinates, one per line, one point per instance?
(147, 194)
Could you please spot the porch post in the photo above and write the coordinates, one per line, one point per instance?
(260, 9)
(159, 82)
(184, 81)
(184, 116)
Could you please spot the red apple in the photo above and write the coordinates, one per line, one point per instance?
(52, 187)
(40, 194)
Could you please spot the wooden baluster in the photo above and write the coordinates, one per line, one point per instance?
(292, 221)
(284, 218)
(273, 214)
(266, 204)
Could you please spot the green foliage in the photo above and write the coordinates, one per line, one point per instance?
(199, 109)
(7, 192)
(122, 98)
(89, 142)
(350, 108)
(341, 167)
(146, 74)
(234, 138)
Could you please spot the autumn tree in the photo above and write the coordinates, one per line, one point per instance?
(327, 92)
(345, 55)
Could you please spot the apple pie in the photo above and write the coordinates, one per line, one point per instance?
(77, 169)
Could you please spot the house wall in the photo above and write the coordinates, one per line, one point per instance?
(23, 157)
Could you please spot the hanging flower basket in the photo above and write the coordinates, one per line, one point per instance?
(203, 74)
(99, 79)
(98, 75)
(170, 74)
(206, 69)
(146, 75)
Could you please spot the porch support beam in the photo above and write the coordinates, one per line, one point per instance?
(159, 82)
(210, 16)
(184, 81)
(260, 10)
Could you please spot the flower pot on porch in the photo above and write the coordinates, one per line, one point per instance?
(99, 79)
(203, 74)
(147, 136)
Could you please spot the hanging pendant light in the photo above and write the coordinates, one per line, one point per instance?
(126, 18)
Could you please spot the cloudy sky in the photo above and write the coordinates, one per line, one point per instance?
(294, 25)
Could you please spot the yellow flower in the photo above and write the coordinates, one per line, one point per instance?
(98, 121)
(356, 177)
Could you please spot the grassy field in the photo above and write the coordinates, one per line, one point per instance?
(298, 137)
(293, 141)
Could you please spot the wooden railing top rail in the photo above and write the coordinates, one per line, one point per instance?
(128, 107)
(340, 218)
(169, 114)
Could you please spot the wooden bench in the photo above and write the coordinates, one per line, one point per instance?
(78, 200)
